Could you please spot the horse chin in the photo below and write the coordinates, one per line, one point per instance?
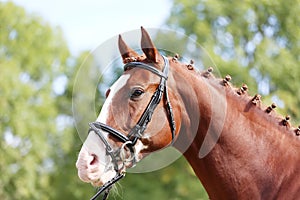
(106, 177)
(95, 175)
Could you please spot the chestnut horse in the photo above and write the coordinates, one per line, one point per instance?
(238, 148)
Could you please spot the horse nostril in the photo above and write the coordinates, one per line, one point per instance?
(94, 159)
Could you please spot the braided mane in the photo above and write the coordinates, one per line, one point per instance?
(268, 112)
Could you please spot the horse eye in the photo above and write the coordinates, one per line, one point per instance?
(136, 93)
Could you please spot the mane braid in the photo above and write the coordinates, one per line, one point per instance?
(267, 112)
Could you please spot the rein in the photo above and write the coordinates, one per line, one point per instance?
(137, 131)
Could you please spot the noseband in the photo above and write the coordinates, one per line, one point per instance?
(137, 131)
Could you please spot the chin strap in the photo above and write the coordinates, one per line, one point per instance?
(107, 186)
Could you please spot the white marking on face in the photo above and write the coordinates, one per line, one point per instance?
(93, 164)
(114, 89)
(139, 146)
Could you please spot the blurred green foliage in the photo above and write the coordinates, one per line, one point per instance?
(257, 42)
(38, 145)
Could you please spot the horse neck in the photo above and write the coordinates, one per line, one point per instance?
(222, 135)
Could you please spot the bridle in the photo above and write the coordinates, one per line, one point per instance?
(137, 131)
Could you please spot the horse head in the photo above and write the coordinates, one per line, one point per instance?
(136, 119)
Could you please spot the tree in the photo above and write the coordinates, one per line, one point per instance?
(38, 145)
(254, 41)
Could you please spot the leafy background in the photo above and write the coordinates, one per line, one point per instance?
(256, 42)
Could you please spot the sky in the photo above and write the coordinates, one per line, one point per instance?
(88, 23)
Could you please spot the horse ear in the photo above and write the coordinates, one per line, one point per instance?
(126, 51)
(148, 47)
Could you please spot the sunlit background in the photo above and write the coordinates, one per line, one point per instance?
(86, 24)
(44, 43)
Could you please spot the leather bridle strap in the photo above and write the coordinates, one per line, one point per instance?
(138, 130)
(107, 186)
(163, 74)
